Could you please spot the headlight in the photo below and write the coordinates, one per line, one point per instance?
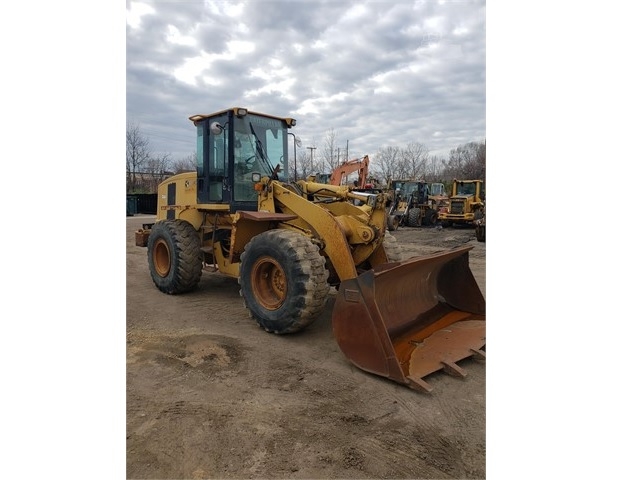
(256, 177)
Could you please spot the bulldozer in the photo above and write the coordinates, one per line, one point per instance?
(290, 244)
(410, 205)
(465, 205)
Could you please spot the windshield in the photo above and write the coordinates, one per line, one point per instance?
(437, 189)
(466, 189)
(260, 145)
(407, 188)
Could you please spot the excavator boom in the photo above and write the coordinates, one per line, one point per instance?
(359, 165)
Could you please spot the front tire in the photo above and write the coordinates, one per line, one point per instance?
(174, 256)
(392, 223)
(283, 281)
(413, 217)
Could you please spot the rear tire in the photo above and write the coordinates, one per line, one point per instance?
(283, 281)
(174, 256)
(430, 217)
(481, 233)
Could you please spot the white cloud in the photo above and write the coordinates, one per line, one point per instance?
(136, 11)
(236, 47)
(417, 69)
(355, 13)
(224, 8)
(174, 36)
(194, 68)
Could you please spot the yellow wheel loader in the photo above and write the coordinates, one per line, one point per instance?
(465, 205)
(287, 243)
(411, 205)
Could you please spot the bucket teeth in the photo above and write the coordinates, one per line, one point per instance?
(478, 354)
(419, 384)
(453, 369)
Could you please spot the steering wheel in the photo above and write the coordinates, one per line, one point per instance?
(251, 159)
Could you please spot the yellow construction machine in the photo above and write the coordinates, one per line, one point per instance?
(410, 204)
(466, 204)
(438, 197)
(287, 243)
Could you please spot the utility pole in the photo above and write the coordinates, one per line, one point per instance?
(312, 149)
(296, 142)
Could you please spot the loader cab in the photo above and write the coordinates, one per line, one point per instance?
(231, 146)
(417, 191)
(466, 189)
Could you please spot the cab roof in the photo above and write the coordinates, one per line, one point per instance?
(241, 112)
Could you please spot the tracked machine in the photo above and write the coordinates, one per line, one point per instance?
(287, 243)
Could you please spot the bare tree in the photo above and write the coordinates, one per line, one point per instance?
(303, 165)
(385, 164)
(433, 169)
(479, 166)
(155, 170)
(137, 154)
(467, 161)
(186, 164)
(329, 155)
(414, 158)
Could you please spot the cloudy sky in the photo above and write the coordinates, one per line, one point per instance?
(376, 73)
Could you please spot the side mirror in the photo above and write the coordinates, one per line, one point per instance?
(216, 128)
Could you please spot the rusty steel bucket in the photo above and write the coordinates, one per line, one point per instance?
(406, 320)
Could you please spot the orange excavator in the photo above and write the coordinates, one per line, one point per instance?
(342, 171)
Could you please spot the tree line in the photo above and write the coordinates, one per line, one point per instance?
(146, 169)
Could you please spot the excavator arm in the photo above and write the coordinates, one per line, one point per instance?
(359, 165)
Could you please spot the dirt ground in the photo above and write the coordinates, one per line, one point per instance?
(211, 395)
